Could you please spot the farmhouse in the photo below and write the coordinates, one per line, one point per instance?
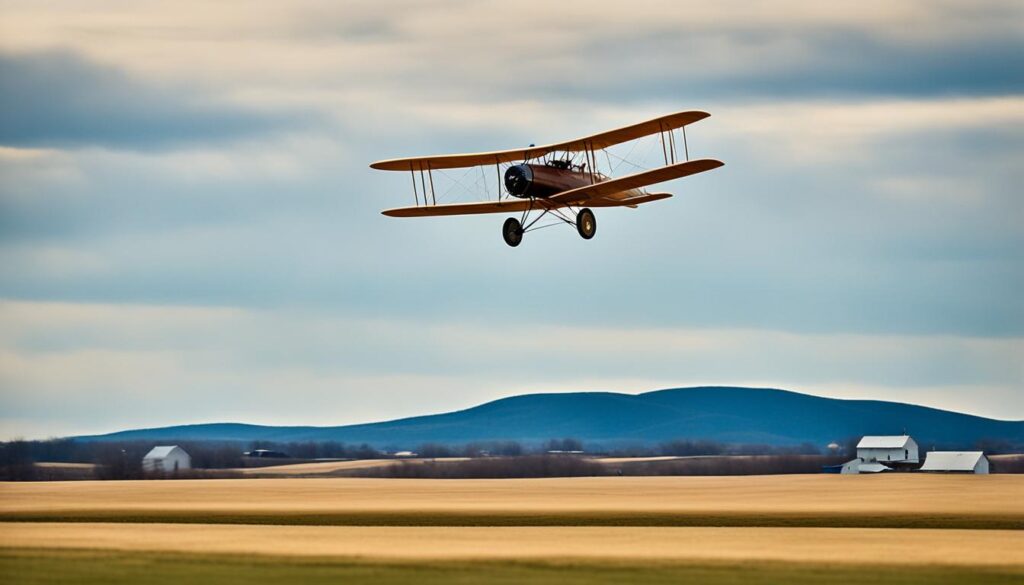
(894, 448)
(955, 462)
(167, 458)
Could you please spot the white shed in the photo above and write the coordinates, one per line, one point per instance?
(166, 458)
(888, 448)
(852, 466)
(955, 462)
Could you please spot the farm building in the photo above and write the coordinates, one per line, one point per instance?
(167, 458)
(955, 462)
(856, 466)
(887, 448)
(852, 466)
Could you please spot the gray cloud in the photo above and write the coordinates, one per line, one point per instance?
(57, 98)
(871, 188)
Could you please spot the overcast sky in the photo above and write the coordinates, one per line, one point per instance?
(189, 230)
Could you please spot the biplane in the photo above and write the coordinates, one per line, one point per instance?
(560, 181)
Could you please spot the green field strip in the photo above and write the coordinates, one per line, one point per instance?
(87, 567)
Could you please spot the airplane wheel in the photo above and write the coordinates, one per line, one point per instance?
(512, 231)
(586, 223)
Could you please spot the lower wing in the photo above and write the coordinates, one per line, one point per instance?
(514, 205)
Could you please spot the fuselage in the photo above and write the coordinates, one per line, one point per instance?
(541, 181)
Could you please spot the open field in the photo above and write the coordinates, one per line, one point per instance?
(32, 567)
(895, 500)
(989, 548)
(316, 468)
(715, 530)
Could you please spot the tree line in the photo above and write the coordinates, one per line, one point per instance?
(123, 459)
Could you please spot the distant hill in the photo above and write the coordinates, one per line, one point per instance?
(726, 414)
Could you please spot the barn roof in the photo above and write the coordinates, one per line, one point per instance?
(159, 452)
(884, 442)
(951, 460)
(872, 468)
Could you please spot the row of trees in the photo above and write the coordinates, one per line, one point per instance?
(123, 459)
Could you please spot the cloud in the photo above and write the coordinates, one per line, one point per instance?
(826, 218)
(59, 99)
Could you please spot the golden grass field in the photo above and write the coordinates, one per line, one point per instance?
(317, 468)
(717, 529)
(997, 548)
(918, 500)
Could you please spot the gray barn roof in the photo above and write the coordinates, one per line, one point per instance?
(161, 451)
(884, 442)
(951, 460)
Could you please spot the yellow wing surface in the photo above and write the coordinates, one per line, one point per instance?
(594, 142)
(609, 193)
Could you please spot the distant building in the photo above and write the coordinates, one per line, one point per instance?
(856, 466)
(852, 466)
(405, 454)
(168, 459)
(955, 462)
(895, 448)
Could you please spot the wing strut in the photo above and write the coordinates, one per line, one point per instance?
(423, 183)
(431, 175)
(415, 194)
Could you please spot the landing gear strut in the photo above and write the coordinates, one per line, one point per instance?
(586, 223)
(512, 231)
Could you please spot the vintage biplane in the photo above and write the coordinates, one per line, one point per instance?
(558, 180)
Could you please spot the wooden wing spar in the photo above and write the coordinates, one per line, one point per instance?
(551, 179)
(595, 142)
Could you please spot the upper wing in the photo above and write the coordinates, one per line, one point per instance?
(596, 141)
(635, 181)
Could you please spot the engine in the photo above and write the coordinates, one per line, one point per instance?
(528, 180)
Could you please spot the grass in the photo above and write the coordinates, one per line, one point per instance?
(32, 566)
(512, 518)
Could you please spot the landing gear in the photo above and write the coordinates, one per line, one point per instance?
(586, 223)
(512, 231)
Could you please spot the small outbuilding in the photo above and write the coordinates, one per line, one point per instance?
(167, 459)
(855, 466)
(955, 462)
(852, 466)
(888, 448)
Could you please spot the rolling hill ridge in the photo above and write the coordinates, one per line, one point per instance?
(725, 414)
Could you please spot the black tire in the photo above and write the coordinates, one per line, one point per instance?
(512, 231)
(586, 223)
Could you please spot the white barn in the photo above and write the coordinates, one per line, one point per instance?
(166, 458)
(887, 448)
(955, 462)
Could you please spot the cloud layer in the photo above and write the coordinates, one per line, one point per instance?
(186, 211)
